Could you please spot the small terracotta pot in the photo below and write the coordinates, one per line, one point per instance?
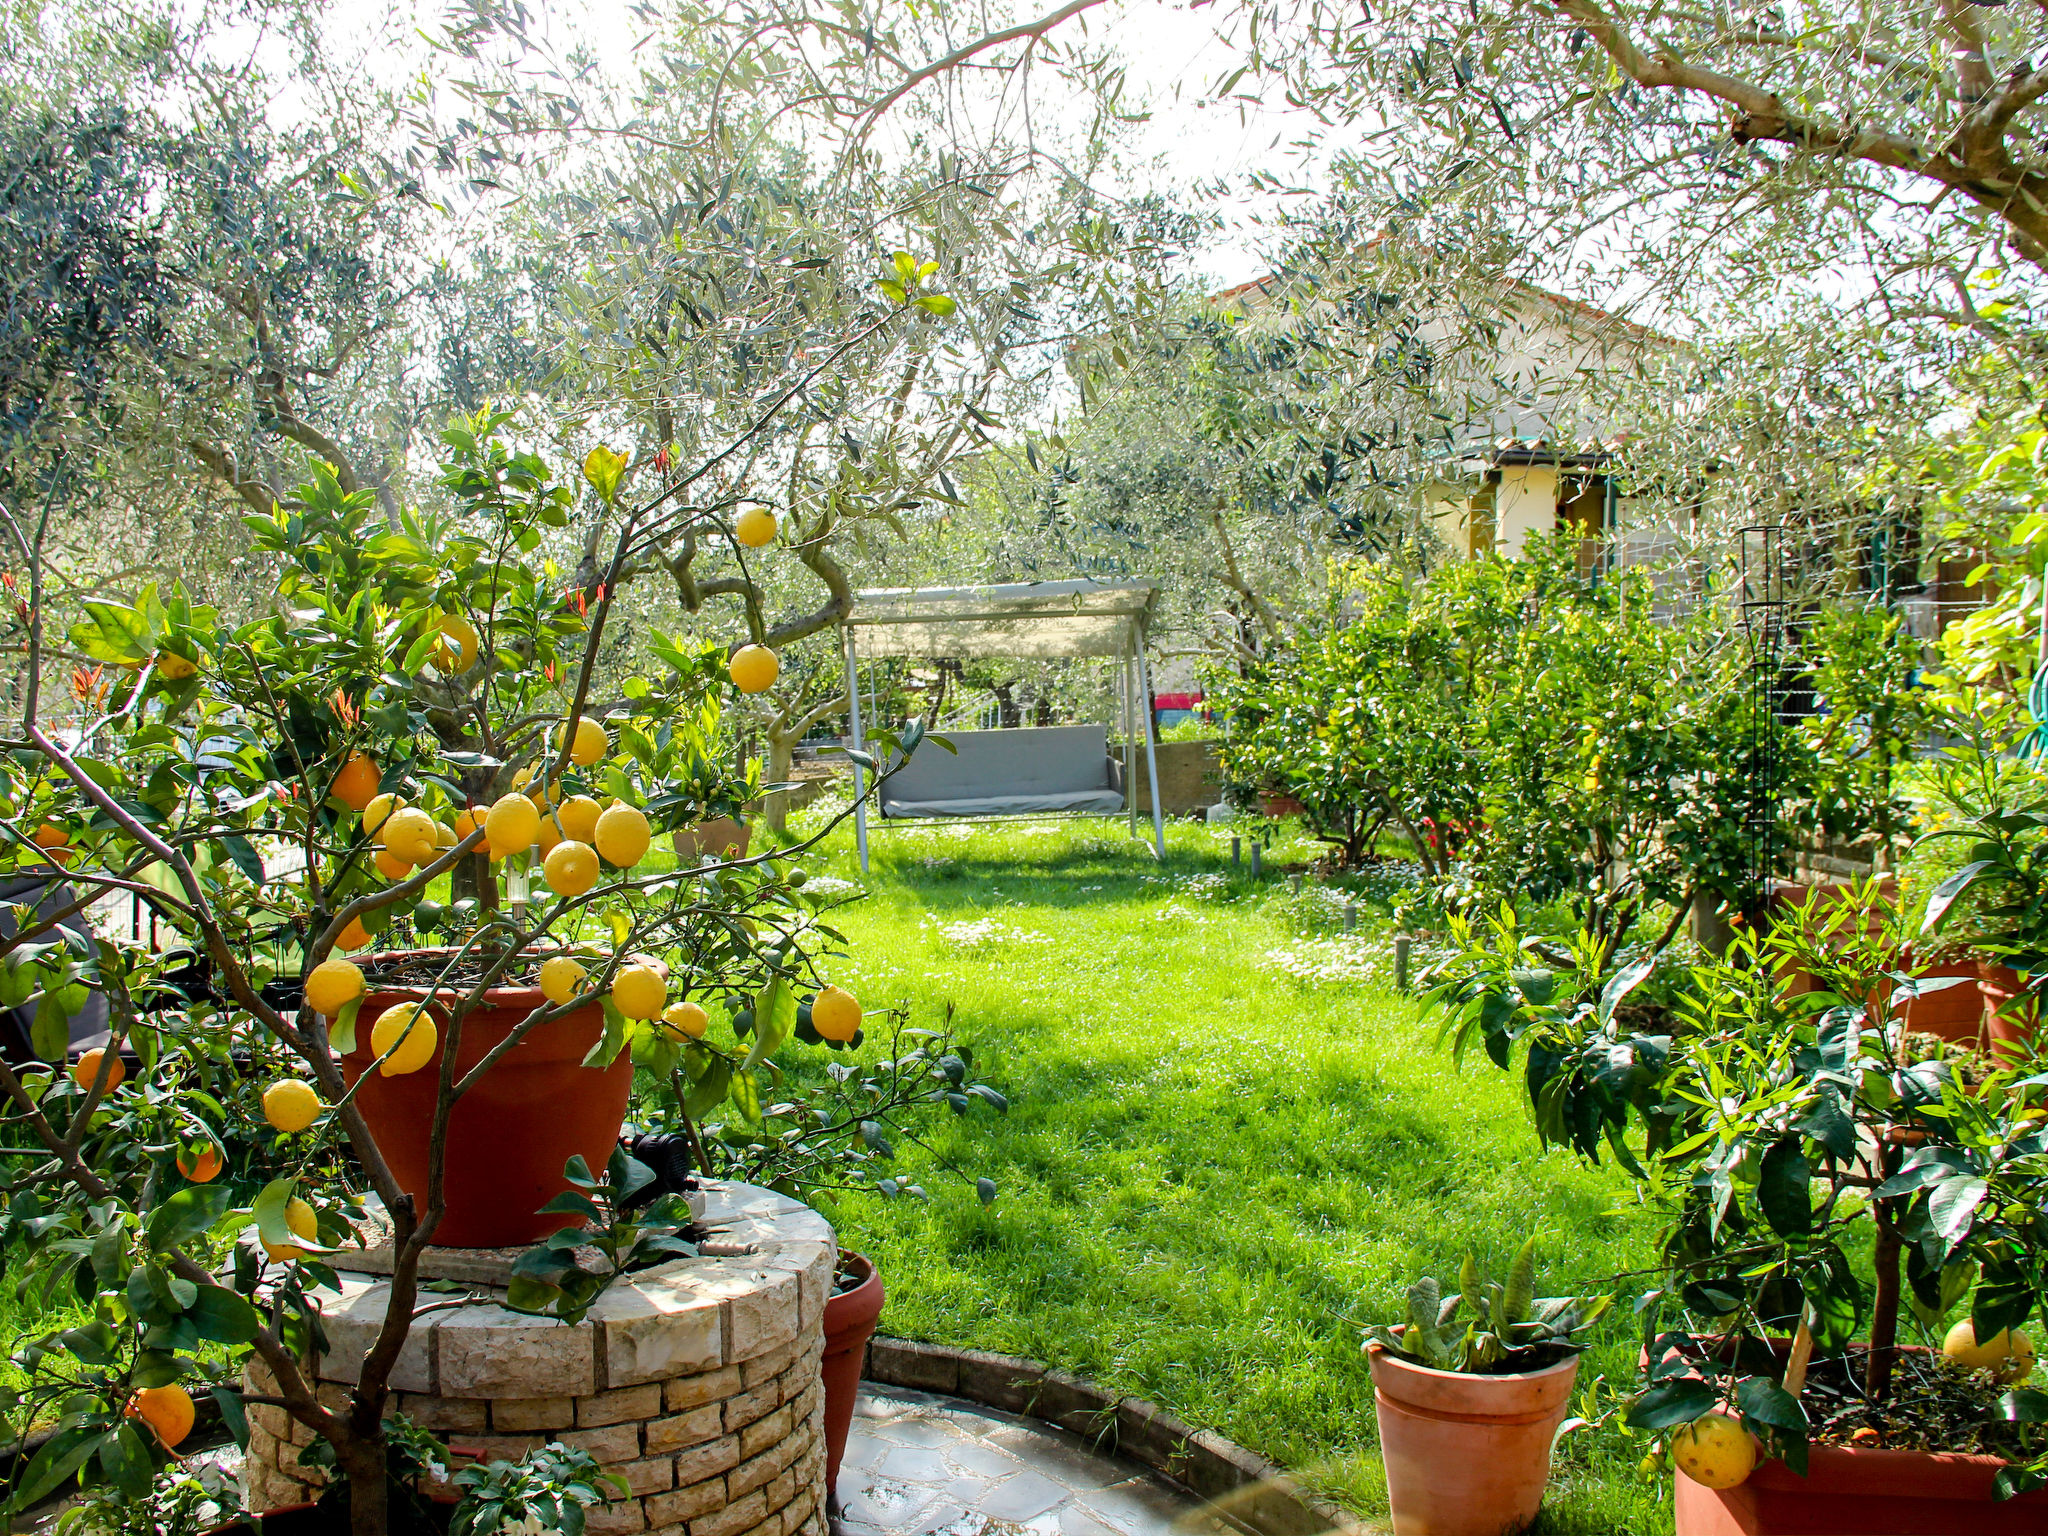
(2008, 1012)
(1466, 1455)
(723, 837)
(850, 1319)
(1276, 806)
(510, 1136)
(1862, 1493)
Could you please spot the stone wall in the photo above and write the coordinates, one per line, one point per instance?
(696, 1382)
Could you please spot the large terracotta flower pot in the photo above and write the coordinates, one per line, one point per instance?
(850, 1319)
(722, 837)
(1953, 1013)
(1466, 1455)
(511, 1135)
(2008, 1016)
(1855, 1492)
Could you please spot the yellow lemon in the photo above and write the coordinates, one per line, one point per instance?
(390, 866)
(579, 815)
(290, 1105)
(2008, 1354)
(835, 1014)
(622, 835)
(410, 1034)
(590, 744)
(1715, 1451)
(687, 1019)
(378, 811)
(550, 836)
(455, 651)
(300, 1217)
(754, 527)
(333, 985)
(444, 836)
(753, 668)
(356, 785)
(410, 834)
(571, 869)
(559, 978)
(167, 1410)
(512, 825)
(639, 991)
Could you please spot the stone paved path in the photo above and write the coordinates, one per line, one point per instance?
(919, 1465)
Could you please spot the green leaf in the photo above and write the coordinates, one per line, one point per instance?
(341, 1034)
(709, 1091)
(1677, 1401)
(222, 1316)
(185, 1214)
(62, 1454)
(746, 1098)
(1763, 1400)
(1520, 1291)
(244, 855)
(774, 1021)
(612, 1041)
(269, 1209)
(1784, 1190)
(234, 1414)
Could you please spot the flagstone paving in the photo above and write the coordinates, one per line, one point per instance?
(920, 1465)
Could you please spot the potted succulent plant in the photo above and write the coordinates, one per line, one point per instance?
(1828, 1193)
(1478, 1381)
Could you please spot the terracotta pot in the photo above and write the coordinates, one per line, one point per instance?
(508, 1137)
(1862, 1493)
(850, 1319)
(723, 837)
(1954, 1013)
(1277, 806)
(1466, 1455)
(2008, 1022)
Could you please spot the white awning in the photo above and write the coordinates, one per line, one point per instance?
(1036, 620)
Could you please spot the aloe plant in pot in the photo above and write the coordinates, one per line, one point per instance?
(1478, 1380)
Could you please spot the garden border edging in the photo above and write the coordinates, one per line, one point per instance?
(1245, 1487)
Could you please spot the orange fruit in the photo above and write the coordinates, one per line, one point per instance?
(622, 836)
(356, 785)
(167, 1410)
(836, 1014)
(754, 527)
(353, 936)
(455, 651)
(753, 668)
(54, 841)
(390, 867)
(200, 1164)
(86, 1071)
(571, 869)
(290, 1105)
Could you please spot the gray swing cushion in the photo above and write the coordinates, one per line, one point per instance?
(1025, 772)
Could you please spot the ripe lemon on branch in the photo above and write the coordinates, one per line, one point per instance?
(835, 1014)
(302, 1219)
(622, 835)
(754, 527)
(1715, 1451)
(356, 785)
(290, 1105)
(333, 985)
(167, 1410)
(640, 992)
(591, 742)
(409, 1033)
(753, 669)
(512, 825)
(559, 978)
(571, 868)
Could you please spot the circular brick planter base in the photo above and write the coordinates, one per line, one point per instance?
(696, 1382)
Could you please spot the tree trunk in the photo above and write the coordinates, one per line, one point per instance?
(1884, 1307)
(781, 756)
(369, 1491)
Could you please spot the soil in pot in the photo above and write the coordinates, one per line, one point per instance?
(851, 1314)
(510, 1136)
(1466, 1455)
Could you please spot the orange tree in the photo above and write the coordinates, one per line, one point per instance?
(421, 703)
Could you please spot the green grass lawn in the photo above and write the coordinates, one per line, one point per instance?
(1211, 1173)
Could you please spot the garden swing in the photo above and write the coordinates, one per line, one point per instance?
(1035, 771)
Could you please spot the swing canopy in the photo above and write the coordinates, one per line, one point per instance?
(1025, 620)
(1018, 772)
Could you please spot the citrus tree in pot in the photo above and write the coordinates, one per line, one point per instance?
(415, 740)
(1827, 1195)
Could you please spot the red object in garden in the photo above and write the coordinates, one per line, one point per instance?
(1276, 806)
(1466, 1455)
(850, 1319)
(1954, 1013)
(511, 1135)
(2005, 1021)
(1862, 1493)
